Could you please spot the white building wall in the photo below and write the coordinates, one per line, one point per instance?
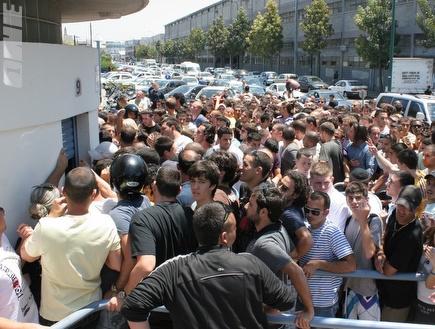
(31, 115)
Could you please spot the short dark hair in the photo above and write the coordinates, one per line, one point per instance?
(80, 184)
(320, 195)
(128, 134)
(272, 199)
(168, 182)
(224, 130)
(409, 158)
(356, 187)
(209, 132)
(289, 133)
(261, 159)
(272, 145)
(208, 223)
(299, 125)
(405, 178)
(361, 133)
(207, 169)
(148, 155)
(172, 122)
(227, 163)
(255, 136)
(162, 144)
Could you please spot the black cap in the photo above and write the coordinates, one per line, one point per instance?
(410, 197)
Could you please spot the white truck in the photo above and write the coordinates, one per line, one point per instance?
(411, 75)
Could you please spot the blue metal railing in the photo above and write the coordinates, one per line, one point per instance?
(320, 322)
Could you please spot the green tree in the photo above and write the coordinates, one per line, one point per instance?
(238, 31)
(217, 37)
(426, 22)
(141, 51)
(373, 46)
(265, 39)
(317, 30)
(106, 62)
(194, 43)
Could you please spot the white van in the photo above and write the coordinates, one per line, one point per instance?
(412, 104)
(190, 68)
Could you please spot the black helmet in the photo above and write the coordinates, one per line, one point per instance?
(130, 108)
(128, 173)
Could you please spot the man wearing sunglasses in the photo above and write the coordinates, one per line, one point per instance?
(273, 246)
(330, 252)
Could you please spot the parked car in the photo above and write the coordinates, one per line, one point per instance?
(213, 90)
(190, 80)
(317, 93)
(189, 91)
(278, 90)
(254, 81)
(267, 77)
(240, 74)
(309, 82)
(348, 87)
(225, 76)
(219, 70)
(207, 76)
(284, 76)
(166, 86)
(412, 104)
(117, 77)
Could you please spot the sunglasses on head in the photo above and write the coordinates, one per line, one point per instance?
(315, 212)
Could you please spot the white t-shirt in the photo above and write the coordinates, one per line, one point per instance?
(16, 299)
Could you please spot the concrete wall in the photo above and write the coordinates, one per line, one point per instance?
(31, 115)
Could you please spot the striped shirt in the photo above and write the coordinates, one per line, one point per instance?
(329, 244)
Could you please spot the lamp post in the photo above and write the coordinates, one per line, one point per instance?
(393, 33)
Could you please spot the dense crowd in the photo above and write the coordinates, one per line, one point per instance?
(251, 196)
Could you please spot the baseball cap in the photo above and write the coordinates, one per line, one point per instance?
(105, 150)
(431, 174)
(410, 197)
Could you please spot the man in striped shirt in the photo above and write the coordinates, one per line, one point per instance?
(330, 252)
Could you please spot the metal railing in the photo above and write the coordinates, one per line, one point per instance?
(318, 321)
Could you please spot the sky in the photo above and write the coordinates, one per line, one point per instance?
(146, 23)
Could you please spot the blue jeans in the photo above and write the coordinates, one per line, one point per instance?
(112, 320)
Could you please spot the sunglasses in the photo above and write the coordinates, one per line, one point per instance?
(416, 126)
(315, 212)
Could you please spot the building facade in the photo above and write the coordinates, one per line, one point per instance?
(339, 55)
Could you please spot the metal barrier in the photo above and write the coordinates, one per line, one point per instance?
(318, 321)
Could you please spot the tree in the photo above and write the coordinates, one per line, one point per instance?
(217, 37)
(141, 51)
(317, 30)
(373, 46)
(265, 37)
(106, 62)
(426, 22)
(194, 43)
(238, 31)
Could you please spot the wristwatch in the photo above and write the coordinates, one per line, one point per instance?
(122, 295)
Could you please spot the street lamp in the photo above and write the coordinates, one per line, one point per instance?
(392, 35)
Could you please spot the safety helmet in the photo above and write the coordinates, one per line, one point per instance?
(131, 108)
(128, 173)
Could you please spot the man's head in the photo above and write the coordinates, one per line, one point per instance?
(204, 179)
(397, 181)
(317, 208)
(356, 196)
(277, 131)
(254, 140)
(170, 127)
(321, 178)
(225, 136)
(165, 147)
(304, 160)
(80, 186)
(295, 188)
(168, 182)
(265, 203)
(428, 159)
(430, 186)
(405, 122)
(407, 203)
(186, 159)
(327, 131)
(310, 139)
(381, 117)
(407, 159)
(256, 167)
(227, 164)
(213, 224)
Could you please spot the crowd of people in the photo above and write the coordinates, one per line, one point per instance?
(224, 209)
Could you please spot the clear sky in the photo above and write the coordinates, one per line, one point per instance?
(148, 22)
